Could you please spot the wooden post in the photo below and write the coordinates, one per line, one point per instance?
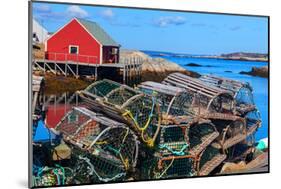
(76, 99)
(124, 75)
(55, 63)
(135, 69)
(96, 73)
(55, 68)
(65, 69)
(77, 66)
(44, 65)
(65, 102)
(77, 70)
(130, 70)
(127, 71)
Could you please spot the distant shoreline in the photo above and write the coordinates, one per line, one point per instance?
(253, 57)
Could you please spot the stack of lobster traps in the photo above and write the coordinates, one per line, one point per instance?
(229, 105)
(181, 127)
(183, 136)
(110, 148)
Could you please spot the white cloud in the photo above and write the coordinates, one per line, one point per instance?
(76, 11)
(42, 8)
(169, 20)
(107, 14)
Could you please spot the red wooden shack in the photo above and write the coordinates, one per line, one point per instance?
(82, 41)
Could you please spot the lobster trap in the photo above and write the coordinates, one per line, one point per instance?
(126, 105)
(174, 166)
(111, 148)
(51, 176)
(173, 101)
(208, 160)
(242, 92)
(206, 98)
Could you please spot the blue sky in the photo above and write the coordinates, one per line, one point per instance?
(179, 32)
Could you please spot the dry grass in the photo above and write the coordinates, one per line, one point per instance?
(60, 84)
(39, 53)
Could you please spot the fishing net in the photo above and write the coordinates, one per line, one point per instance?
(112, 146)
(253, 118)
(244, 96)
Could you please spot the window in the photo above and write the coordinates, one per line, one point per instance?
(73, 49)
(114, 51)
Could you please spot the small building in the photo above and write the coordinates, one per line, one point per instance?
(82, 41)
(39, 33)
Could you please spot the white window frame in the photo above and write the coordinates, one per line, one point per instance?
(69, 49)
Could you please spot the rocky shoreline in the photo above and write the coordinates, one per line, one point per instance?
(258, 71)
(156, 69)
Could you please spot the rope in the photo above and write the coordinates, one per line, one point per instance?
(59, 172)
(179, 153)
(124, 161)
(149, 141)
(94, 171)
(171, 163)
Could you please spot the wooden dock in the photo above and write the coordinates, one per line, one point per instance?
(128, 69)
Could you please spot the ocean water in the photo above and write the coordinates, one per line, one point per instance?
(231, 69)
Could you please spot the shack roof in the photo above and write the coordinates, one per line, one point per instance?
(94, 29)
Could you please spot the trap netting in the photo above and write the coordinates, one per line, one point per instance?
(102, 88)
(174, 166)
(173, 101)
(208, 160)
(51, 176)
(206, 98)
(200, 136)
(253, 119)
(242, 92)
(112, 145)
(173, 140)
(96, 169)
(127, 105)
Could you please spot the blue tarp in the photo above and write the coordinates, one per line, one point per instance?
(42, 133)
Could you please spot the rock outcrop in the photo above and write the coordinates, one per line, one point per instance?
(258, 71)
(156, 69)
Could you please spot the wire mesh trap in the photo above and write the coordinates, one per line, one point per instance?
(111, 147)
(173, 167)
(127, 105)
(208, 160)
(206, 98)
(173, 101)
(242, 92)
(218, 103)
(51, 176)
